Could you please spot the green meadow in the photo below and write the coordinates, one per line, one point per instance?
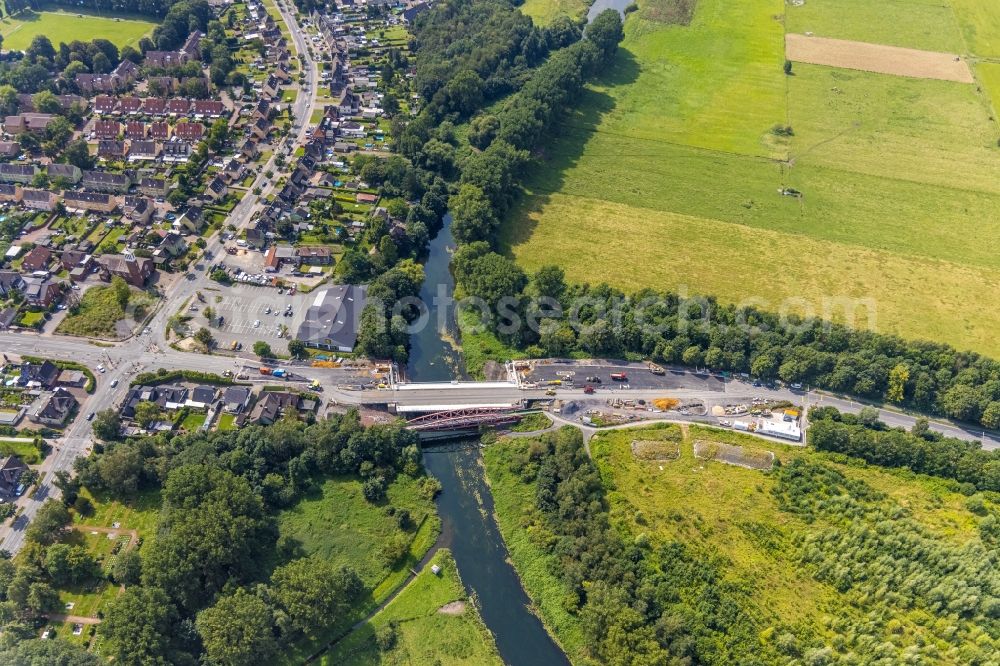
(61, 26)
(679, 155)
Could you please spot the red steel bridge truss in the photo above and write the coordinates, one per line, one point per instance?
(463, 419)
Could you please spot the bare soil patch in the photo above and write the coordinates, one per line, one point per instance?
(877, 58)
(645, 449)
(453, 608)
(733, 455)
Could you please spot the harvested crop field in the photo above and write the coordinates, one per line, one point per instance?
(877, 58)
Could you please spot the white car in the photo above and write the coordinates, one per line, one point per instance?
(256, 323)
(100, 369)
(114, 383)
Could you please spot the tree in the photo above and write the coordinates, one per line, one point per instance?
(868, 417)
(146, 413)
(605, 31)
(262, 349)
(205, 339)
(991, 415)
(46, 102)
(788, 67)
(237, 630)
(78, 154)
(122, 291)
(313, 593)
(69, 565)
(472, 215)
(962, 402)
(8, 99)
(40, 47)
(49, 523)
(39, 652)
(209, 313)
(138, 626)
(297, 349)
(898, 376)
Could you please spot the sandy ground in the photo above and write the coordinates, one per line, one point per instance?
(454, 608)
(877, 58)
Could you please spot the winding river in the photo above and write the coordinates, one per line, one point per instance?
(465, 504)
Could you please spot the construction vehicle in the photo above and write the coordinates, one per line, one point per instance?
(264, 370)
(550, 392)
(315, 385)
(619, 377)
(656, 369)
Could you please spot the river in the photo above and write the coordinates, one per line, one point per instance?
(600, 5)
(465, 504)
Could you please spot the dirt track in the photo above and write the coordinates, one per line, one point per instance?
(877, 58)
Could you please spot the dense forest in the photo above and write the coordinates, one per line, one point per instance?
(907, 595)
(216, 583)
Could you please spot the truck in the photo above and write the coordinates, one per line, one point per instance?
(619, 377)
(656, 369)
(264, 370)
(588, 389)
(278, 373)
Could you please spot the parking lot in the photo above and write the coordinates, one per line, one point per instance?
(639, 376)
(245, 317)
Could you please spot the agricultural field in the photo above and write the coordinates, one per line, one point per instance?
(680, 152)
(779, 538)
(60, 26)
(431, 622)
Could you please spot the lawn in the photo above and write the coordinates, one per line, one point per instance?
(60, 26)
(27, 451)
(139, 513)
(226, 422)
(193, 421)
(543, 12)
(672, 155)
(916, 24)
(731, 516)
(424, 635)
(339, 525)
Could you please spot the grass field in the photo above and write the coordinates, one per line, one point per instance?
(99, 311)
(543, 12)
(339, 525)
(423, 635)
(672, 154)
(731, 516)
(60, 26)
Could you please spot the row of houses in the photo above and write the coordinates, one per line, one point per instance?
(174, 107)
(137, 130)
(268, 407)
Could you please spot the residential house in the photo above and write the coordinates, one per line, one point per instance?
(262, 110)
(41, 292)
(103, 181)
(154, 106)
(112, 150)
(89, 201)
(11, 469)
(130, 105)
(159, 130)
(53, 409)
(39, 199)
(107, 129)
(171, 246)
(143, 150)
(272, 87)
(193, 219)
(176, 151)
(259, 129)
(67, 172)
(315, 256)
(154, 187)
(7, 318)
(189, 131)
(365, 198)
(208, 108)
(10, 149)
(78, 263)
(10, 281)
(72, 378)
(10, 192)
(32, 375)
(105, 104)
(121, 78)
(134, 270)
(235, 399)
(333, 319)
(139, 209)
(216, 189)
(163, 85)
(27, 122)
(233, 171)
(38, 259)
(200, 397)
(17, 173)
(135, 130)
(177, 106)
(272, 404)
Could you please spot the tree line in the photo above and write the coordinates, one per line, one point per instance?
(921, 449)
